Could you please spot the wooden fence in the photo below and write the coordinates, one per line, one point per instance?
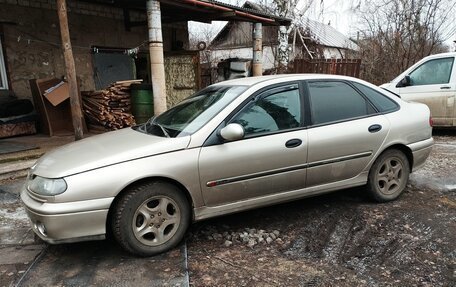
(345, 67)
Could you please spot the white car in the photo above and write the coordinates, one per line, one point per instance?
(431, 81)
(233, 146)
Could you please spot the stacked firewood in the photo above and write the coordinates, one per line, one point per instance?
(109, 109)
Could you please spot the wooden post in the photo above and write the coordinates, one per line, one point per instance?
(76, 111)
(257, 63)
(157, 63)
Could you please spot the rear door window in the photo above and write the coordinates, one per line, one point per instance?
(333, 101)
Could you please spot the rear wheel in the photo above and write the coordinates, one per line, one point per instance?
(151, 218)
(388, 176)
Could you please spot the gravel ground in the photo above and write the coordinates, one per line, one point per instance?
(339, 239)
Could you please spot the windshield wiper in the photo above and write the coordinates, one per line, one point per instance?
(152, 122)
(162, 128)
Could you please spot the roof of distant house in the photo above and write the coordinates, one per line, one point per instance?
(328, 36)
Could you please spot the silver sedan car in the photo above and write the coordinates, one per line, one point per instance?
(233, 146)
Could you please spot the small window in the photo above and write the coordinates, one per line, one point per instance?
(277, 111)
(432, 72)
(336, 101)
(3, 79)
(381, 102)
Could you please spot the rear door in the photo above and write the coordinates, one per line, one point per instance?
(434, 83)
(345, 134)
(270, 158)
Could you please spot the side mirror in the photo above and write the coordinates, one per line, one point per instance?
(232, 132)
(405, 82)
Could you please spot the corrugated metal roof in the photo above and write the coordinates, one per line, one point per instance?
(327, 35)
(282, 20)
(200, 10)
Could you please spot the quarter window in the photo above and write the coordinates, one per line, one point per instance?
(381, 102)
(336, 101)
(279, 109)
(432, 72)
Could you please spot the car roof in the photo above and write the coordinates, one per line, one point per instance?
(250, 81)
(441, 55)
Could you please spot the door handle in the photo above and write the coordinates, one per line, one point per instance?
(445, 88)
(374, 128)
(293, 143)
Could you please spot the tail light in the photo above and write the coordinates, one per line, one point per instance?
(431, 122)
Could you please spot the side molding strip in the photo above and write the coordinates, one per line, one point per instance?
(287, 169)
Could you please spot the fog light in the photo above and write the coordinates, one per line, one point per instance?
(40, 228)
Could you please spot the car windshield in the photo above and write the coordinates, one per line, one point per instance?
(192, 113)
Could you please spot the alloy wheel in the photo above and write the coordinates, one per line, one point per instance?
(156, 220)
(390, 176)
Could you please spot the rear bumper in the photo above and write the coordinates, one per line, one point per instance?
(421, 151)
(73, 225)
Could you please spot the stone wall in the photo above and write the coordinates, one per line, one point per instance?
(31, 38)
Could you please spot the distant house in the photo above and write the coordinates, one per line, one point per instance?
(311, 40)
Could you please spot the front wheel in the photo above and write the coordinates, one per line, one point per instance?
(151, 218)
(388, 176)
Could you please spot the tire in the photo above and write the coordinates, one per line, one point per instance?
(388, 176)
(151, 218)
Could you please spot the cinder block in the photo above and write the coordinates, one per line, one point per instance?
(23, 2)
(46, 6)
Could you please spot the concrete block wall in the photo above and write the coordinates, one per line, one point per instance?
(31, 39)
(78, 7)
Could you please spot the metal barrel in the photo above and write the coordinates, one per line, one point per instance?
(142, 102)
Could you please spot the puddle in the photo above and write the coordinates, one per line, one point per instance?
(13, 214)
(16, 236)
(445, 184)
(450, 145)
(14, 223)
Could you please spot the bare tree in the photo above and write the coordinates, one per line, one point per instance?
(204, 34)
(397, 33)
(294, 10)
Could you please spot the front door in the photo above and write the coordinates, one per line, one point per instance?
(269, 159)
(434, 83)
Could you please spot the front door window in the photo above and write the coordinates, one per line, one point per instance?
(432, 72)
(279, 109)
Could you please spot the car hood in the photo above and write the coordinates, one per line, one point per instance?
(103, 150)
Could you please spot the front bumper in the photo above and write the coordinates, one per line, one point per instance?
(421, 151)
(67, 222)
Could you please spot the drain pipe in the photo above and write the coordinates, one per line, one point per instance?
(157, 63)
(257, 65)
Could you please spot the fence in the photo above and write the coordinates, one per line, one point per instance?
(345, 67)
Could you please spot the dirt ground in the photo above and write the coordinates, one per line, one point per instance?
(340, 239)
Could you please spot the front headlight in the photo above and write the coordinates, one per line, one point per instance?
(46, 186)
